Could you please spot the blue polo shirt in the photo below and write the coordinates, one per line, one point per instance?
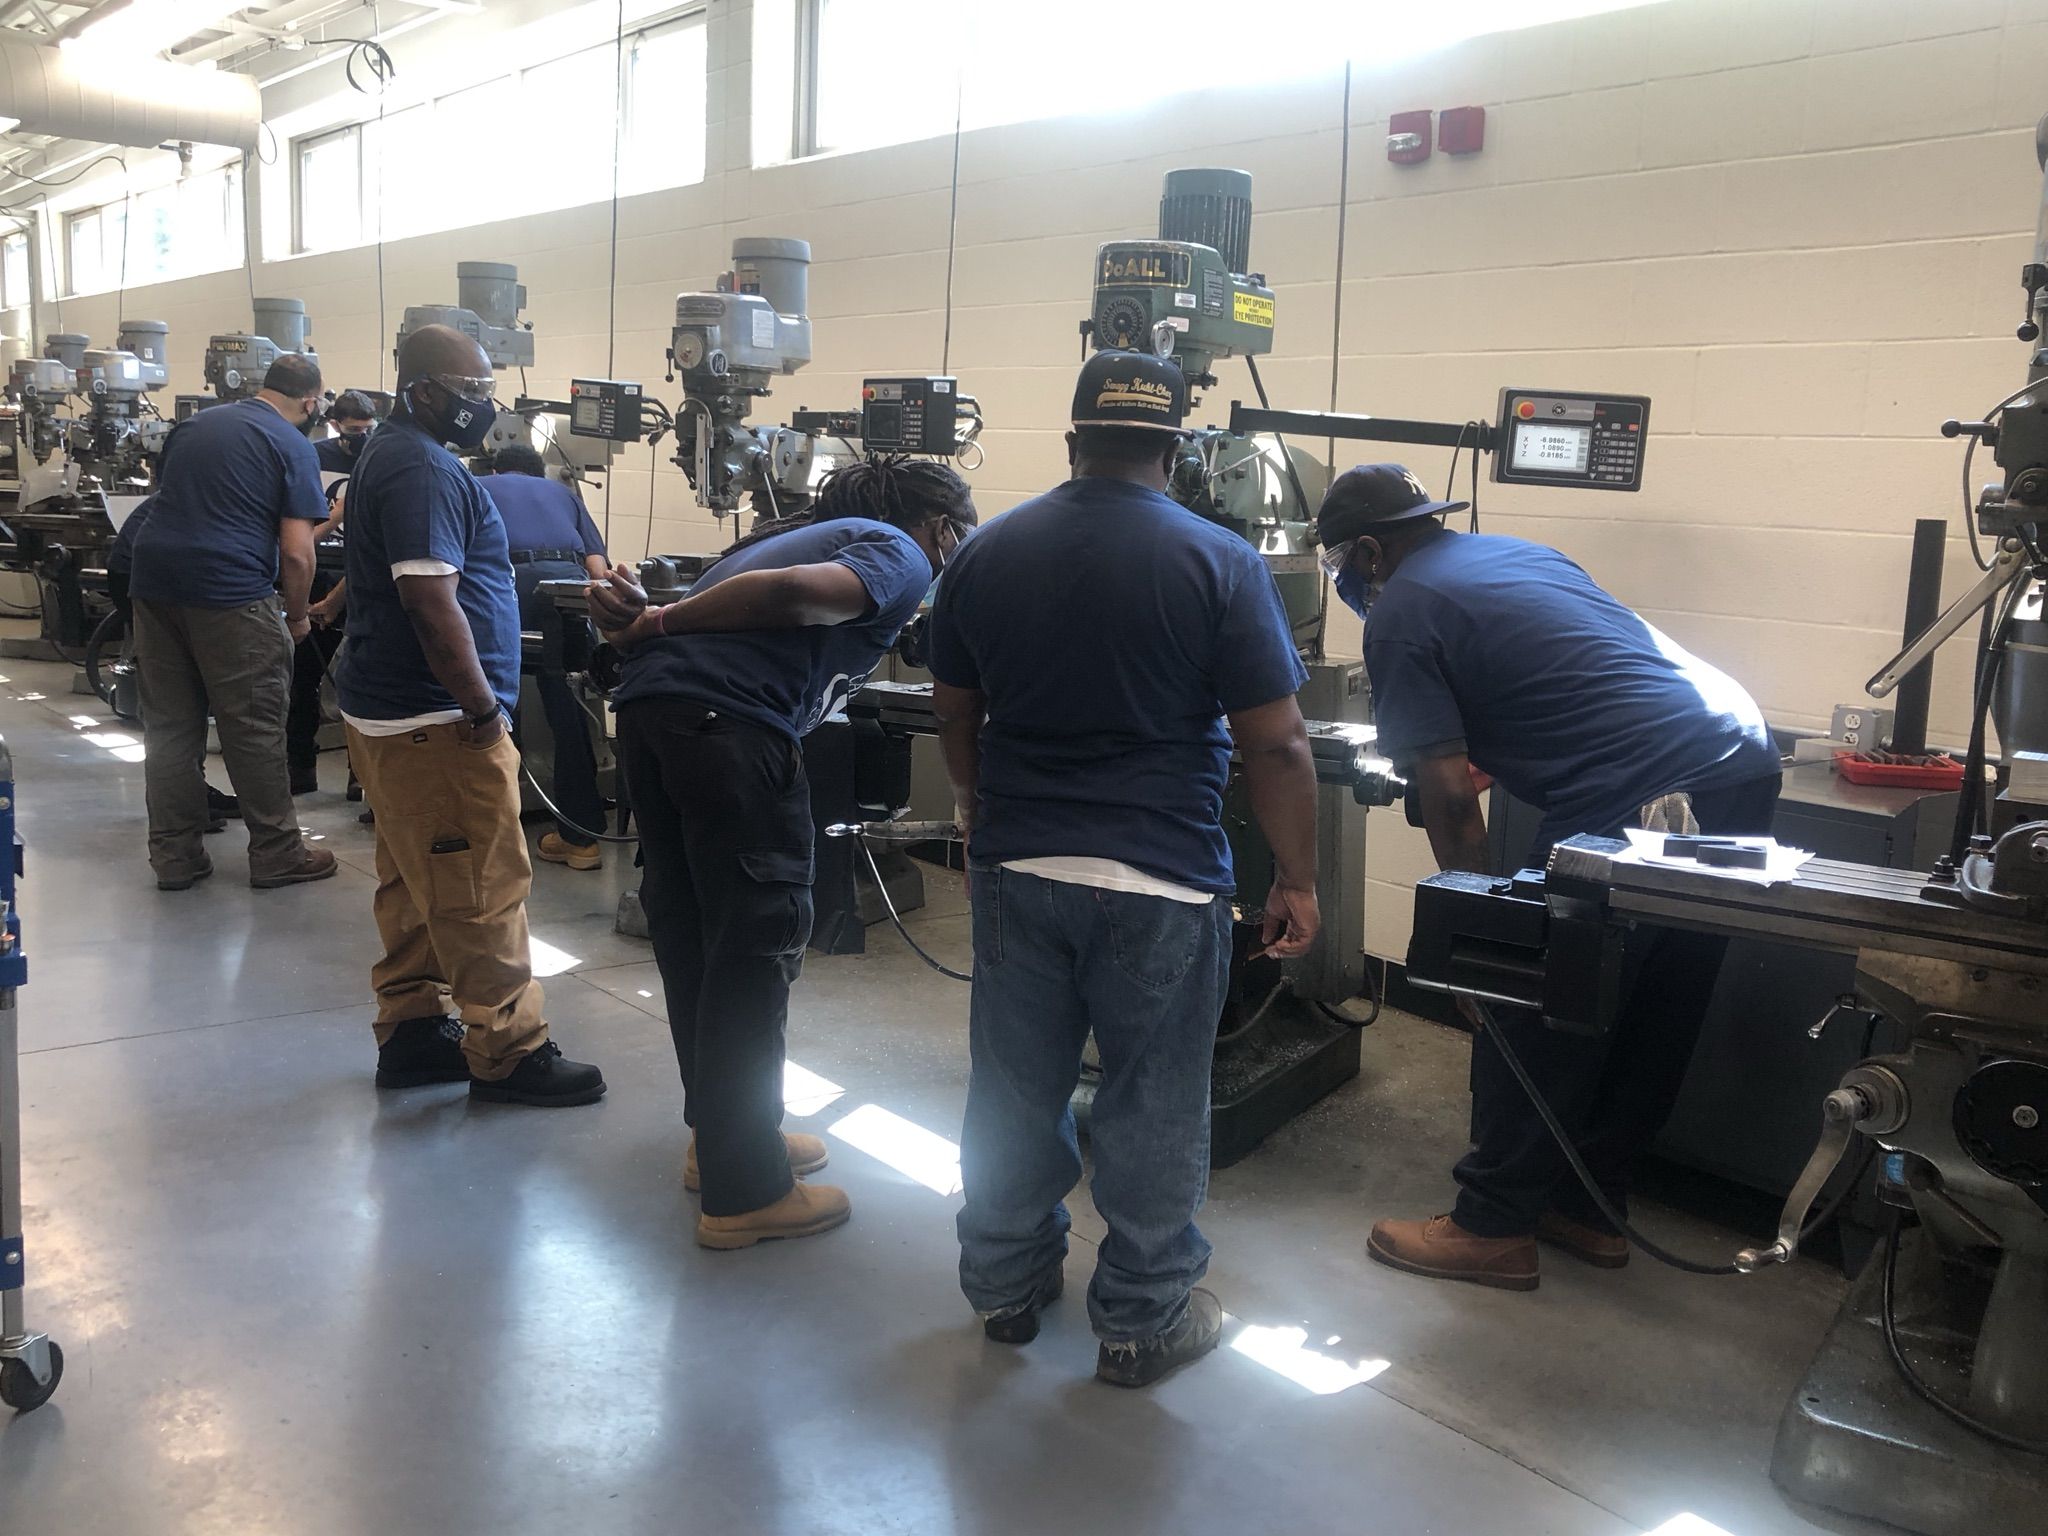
(1110, 630)
(1508, 650)
(543, 513)
(228, 479)
(410, 501)
(789, 680)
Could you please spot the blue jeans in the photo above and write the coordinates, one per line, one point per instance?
(1051, 962)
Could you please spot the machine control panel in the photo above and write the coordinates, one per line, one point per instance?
(910, 415)
(604, 408)
(1558, 437)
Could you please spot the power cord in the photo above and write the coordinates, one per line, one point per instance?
(1895, 1347)
(889, 903)
(1620, 1223)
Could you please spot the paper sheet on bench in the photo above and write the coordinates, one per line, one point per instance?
(1783, 863)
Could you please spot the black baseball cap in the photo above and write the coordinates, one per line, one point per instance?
(1371, 496)
(1131, 389)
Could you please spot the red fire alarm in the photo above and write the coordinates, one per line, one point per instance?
(1461, 130)
(1408, 137)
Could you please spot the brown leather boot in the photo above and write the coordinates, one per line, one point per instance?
(805, 1211)
(1443, 1250)
(807, 1154)
(1602, 1250)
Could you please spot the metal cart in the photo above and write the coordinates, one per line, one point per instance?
(31, 1364)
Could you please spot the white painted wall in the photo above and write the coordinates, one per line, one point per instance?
(1797, 224)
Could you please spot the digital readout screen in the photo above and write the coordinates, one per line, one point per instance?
(1550, 448)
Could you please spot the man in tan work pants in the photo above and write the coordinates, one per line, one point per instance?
(448, 825)
(426, 679)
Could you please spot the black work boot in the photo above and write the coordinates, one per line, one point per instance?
(422, 1051)
(222, 807)
(1144, 1361)
(545, 1079)
(1019, 1324)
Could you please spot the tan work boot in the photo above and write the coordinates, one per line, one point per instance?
(1443, 1250)
(807, 1154)
(557, 849)
(1602, 1250)
(315, 864)
(805, 1211)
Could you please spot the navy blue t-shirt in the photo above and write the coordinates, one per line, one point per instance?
(790, 679)
(1571, 701)
(334, 455)
(542, 513)
(227, 480)
(411, 500)
(1110, 630)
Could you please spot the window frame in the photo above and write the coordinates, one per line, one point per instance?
(9, 299)
(98, 212)
(370, 227)
(300, 145)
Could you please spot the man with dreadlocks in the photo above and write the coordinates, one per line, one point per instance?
(718, 692)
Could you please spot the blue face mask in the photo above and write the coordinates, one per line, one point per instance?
(1354, 589)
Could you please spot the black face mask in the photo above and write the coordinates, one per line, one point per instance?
(352, 443)
(465, 424)
(313, 419)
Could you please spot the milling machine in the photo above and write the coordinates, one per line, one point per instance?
(69, 475)
(1190, 296)
(237, 361)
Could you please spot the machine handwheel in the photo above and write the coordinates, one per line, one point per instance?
(19, 1389)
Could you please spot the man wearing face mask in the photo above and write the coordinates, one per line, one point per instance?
(354, 419)
(219, 584)
(427, 678)
(1501, 655)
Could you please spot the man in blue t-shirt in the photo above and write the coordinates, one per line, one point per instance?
(1503, 656)
(218, 586)
(1088, 647)
(426, 678)
(553, 539)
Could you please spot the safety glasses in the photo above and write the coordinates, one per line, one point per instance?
(1335, 557)
(468, 388)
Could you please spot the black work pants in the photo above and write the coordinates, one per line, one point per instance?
(1613, 1091)
(575, 775)
(725, 832)
(310, 660)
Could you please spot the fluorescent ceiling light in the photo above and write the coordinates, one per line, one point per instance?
(1688, 1524)
(150, 26)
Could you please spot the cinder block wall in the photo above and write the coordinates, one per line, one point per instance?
(1797, 224)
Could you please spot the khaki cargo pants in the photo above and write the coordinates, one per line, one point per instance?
(452, 878)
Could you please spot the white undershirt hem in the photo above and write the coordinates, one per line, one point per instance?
(423, 568)
(400, 727)
(1108, 875)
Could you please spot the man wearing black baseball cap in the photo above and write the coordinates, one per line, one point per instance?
(1502, 655)
(1088, 646)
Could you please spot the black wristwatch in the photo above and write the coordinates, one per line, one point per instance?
(478, 722)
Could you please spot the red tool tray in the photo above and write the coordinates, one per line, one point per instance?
(1936, 771)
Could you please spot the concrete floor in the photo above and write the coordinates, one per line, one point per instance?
(292, 1304)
